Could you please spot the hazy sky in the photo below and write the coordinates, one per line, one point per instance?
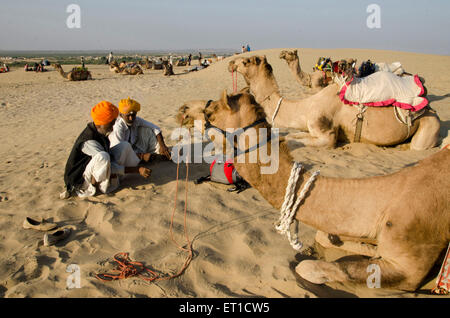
(406, 25)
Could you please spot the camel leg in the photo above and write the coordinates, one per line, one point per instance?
(298, 135)
(322, 133)
(319, 139)
(427, 134)
(357, 248)
(370, 272)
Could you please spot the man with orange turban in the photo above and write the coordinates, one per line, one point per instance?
(145, 137)
(90, 166)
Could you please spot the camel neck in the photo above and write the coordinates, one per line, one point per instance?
(324, 206)
(302, 77)
(61, 71)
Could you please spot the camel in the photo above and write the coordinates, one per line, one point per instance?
(317, 79)
(127, 69)
(327, 119)
(311, 80)
(181, 62)
(399, 223)
(167, 68)
(146, 63)
(77, 74)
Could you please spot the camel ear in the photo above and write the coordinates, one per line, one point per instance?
(224, 99)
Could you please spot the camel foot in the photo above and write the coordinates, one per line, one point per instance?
(320, 272)
(334, 241)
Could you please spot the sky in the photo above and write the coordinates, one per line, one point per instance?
(405, 25)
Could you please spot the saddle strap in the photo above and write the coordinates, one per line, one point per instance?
(359, 123)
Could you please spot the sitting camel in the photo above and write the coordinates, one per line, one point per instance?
(311, 80)
(127, 69)
(327, 119)
(317, 79)
(167, 68)
(402, 226)
(76, 74)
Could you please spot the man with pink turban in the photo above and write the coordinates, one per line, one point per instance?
(90, 167)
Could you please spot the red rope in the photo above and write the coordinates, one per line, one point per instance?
(126, 268)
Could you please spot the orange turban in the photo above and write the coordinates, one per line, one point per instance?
(104, 112)
(129, 105)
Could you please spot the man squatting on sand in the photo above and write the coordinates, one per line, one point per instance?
(92, 165)
(145, 137)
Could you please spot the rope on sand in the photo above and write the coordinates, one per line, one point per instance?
(289, 208)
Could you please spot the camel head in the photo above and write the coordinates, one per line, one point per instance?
(289, 56)
(234, 111)
(57, 66)
(250, 67)
(190, 112)
(194, 110)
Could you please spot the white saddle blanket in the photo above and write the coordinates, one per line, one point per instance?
(395, 68)
(385, 89)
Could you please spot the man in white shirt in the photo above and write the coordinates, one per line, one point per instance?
(145, 137)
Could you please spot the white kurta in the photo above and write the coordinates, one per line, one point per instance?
(103, 164)
(141, 135)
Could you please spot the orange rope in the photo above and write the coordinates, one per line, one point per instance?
(126, 268)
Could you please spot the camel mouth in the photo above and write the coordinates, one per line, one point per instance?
(232, 67)
(183, 119)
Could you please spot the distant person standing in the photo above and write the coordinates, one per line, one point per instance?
(248, 48)
(110, 57)
(243, 49)
(199, 58)
(189, 59)
(82, 61)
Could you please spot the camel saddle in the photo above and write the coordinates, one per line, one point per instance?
(328, 68)
(385, 89)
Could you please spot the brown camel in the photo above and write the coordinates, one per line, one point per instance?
(77, 74)
(398, 223)
(132, 69)
(312, 80)
(167, 68)
(317, 79)
(327, 119)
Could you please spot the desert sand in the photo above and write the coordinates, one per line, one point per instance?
(237, 251)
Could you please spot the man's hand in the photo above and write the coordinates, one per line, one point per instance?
(145, 172)
(165, 151)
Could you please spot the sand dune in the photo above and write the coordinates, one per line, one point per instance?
(238, 253)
